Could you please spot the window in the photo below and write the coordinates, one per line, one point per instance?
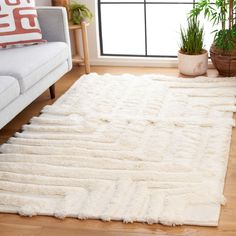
(143, 28)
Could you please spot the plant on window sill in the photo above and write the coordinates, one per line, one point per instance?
(193, 58)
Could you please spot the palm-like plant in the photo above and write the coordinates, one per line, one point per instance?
(192, 38)
(219, 12)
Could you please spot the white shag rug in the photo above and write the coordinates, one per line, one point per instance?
(145, 148)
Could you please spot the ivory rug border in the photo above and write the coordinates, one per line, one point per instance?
(148, 148)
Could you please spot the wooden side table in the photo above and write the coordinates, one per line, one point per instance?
(78, 58)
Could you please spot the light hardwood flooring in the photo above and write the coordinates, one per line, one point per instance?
(12, 224)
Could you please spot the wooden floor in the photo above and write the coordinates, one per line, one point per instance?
(11, 224)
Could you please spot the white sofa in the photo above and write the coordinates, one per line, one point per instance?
(26, 72)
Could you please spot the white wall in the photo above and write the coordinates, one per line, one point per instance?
(94, 49)
(43, 2)
(95, 57)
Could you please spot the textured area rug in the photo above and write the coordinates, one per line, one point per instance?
(145, 148)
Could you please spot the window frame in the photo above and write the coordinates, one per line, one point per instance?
(145, 3)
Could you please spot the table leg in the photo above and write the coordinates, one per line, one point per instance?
(85, 47)
(76, 43)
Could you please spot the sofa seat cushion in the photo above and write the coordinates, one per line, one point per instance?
(9, 90)
(31, 63)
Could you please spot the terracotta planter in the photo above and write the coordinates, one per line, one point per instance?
(224, 63)
(63, 3)
(193, 65)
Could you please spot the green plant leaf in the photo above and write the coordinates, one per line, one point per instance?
(192, 37)
(80, 12)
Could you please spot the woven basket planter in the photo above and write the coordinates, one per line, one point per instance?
(224, 63)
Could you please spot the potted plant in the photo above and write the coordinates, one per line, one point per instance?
(223, 49)
(193, 58)
(79, 12)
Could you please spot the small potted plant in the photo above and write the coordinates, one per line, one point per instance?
(79, 12)
(193, 58)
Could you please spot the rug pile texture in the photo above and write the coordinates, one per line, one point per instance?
(145, 148)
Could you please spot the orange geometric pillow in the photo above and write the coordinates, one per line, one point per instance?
(19, 23)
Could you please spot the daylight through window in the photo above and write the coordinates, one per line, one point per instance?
(144, 28)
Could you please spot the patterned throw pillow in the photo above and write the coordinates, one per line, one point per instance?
(19, 23)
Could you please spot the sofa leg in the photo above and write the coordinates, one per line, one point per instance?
(52, 91)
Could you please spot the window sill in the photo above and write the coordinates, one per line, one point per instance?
(138, 61)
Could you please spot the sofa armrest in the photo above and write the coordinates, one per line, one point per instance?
(54, 26)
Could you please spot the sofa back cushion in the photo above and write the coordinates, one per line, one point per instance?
(18, 23)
